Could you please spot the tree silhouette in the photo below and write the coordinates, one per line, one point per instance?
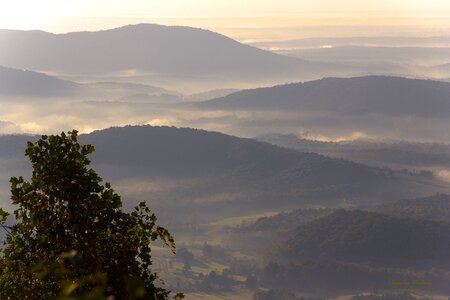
(72, 238)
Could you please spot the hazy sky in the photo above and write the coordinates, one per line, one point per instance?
(42, 14)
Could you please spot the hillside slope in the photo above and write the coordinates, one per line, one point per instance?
(186, 169)
(23, 83)
(344, 109)
(348, 96)
(169, 50)
(364, 236)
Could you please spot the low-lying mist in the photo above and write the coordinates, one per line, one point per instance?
(53, 116)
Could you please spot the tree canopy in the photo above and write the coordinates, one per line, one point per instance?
(72, 238)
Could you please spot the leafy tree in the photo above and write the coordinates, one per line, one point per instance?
(72, 239)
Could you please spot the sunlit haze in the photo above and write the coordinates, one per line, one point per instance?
(249, 19)
(295, 149)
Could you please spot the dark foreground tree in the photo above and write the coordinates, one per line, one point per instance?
(72, 239)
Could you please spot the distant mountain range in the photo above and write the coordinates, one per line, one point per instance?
(29, 85)
(394, 154)
(207, 170)
(433, 208)
(192, 176)
(365, 236)
(403, 56)
(352, 249)
(348, 96)
(139, 50)
(23, 83)
(371, 106)
(267, 230)
(330, 109)
(182, 152)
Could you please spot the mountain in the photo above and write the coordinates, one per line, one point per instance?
(254, 236)
(185, 170)
(349, 96)
(24, 83)
(365, 236)
(398, 154)
(207, 95)
(119, 90)
(435, 208)
(267, 230)
(193, 152)
(340, 108)
(354, 250)
(368, 41)
(182, 152)
(286, 221)
(207, 170)
(189, 171)
(443, 68)
(145, 48)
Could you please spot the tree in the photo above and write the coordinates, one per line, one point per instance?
(71, 235)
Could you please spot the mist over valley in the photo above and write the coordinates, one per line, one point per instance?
(288, 166)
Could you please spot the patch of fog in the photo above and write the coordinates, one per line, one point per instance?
(326, 46)
(7, 127)
(141, 188)
(352, 136)
(162, 122)
(443, 175)
(50, 117)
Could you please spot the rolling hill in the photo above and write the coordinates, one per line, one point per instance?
(398, 154)
(26, 85)
(186, 170)
(228, 170)
(143, 48)
(365, 236)
(193, 152)
(23, 83)
(341, 108)
(434, 208)
(351, 250)
(348, 96)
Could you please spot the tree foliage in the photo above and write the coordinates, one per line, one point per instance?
(72, 238)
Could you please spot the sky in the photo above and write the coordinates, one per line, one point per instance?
(69, 15)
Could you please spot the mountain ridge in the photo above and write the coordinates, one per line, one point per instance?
(209, 170)
(374, 107)
(360, 235)
(146, 47)
(27, 83)
(311, 95)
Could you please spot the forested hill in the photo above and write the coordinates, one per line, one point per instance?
(285, 221)
(175, 152)
(23, 83)
(395, 154)
(436, 208)
(384, 95)
(211, 171)
(365, 236)
(167, 50)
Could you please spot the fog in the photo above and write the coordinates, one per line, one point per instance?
(265, 137)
